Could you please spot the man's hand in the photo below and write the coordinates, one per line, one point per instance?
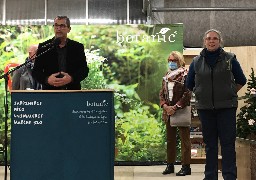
(58, 82)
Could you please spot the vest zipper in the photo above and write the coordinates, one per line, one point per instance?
(212, 87)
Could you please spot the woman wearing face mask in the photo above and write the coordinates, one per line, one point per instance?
(174, 96)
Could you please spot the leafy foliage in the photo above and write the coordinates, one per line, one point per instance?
(135, 62)
(95, 79)
(131, 69)
(142, 138)
(246, 123)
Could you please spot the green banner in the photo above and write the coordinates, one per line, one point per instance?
(131, 59)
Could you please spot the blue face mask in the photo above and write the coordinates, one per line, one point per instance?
(173, 65)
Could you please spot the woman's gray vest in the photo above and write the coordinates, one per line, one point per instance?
(215, 87)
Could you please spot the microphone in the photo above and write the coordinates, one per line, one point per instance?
(49, 47)
(55, 42)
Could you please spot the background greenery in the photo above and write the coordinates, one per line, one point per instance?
(246, 121)
(133, 69)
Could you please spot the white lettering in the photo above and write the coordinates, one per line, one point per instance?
(119, 36)
(144, 38)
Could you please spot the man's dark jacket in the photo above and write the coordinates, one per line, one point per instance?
(46, 64)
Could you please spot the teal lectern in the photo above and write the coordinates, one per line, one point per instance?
(62, 135)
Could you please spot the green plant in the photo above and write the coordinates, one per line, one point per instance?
(142, 137)
(246, 122)
(95, 79)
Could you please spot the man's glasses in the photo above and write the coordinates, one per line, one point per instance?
(62, 26)
(212, 38)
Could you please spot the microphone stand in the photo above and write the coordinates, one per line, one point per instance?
(5, 76)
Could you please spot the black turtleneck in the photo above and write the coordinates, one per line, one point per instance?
(211, 57)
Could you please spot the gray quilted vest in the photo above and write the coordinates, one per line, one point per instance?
(215, 87)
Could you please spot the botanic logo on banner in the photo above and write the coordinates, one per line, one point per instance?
(131, 59)
(157, 37)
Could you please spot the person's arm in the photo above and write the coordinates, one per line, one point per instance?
(185, 99)
(238, 87)
(82, 69)
(163, 102)
(38, 69)
(239, 76)
(162, 96)
(16, 80)
(190, 80)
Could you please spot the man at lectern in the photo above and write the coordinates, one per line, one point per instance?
(60, 63)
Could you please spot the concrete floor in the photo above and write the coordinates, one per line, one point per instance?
(2, 174)
(145, 173)
(155, 173)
